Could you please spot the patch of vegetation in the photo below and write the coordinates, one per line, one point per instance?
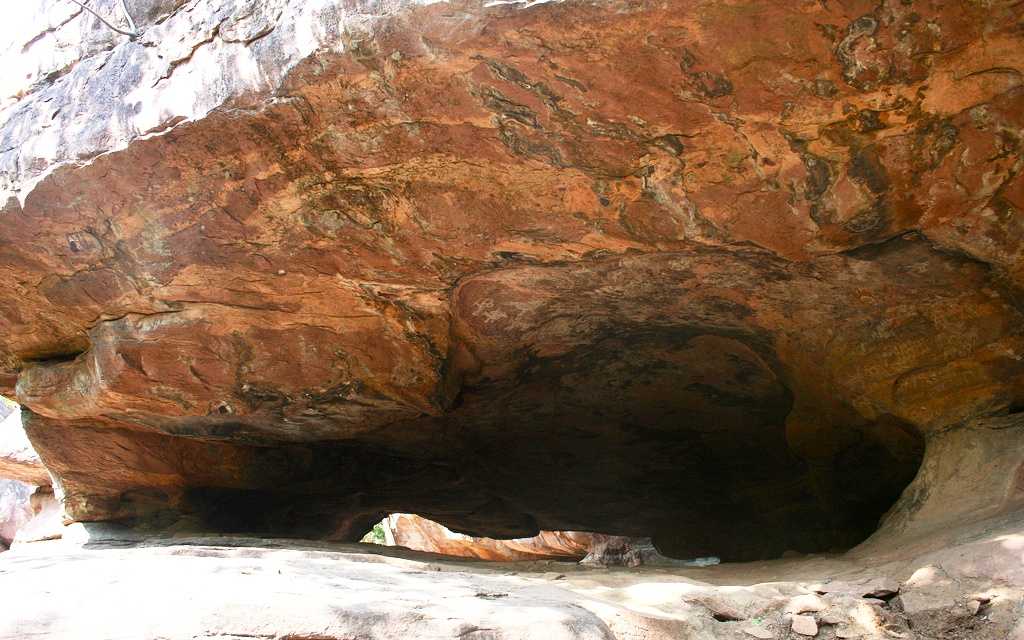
(376, 534)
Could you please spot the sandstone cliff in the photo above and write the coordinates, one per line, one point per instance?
(637, 267)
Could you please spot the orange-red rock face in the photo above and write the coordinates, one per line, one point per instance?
(628, 267)
(413, 532)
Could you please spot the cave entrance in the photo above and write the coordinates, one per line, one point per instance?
(29, 511)
(687, 439)
(422, 534)
(693, 440)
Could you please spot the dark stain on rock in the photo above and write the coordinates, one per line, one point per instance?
(340, 394)
(84, 242)
(331, 207)
(824, 88)
(829, 31)
(687, 60)
(844, 132)
(670, 143)
(508, 73)
(494, 101)
(575, 84)
(934, 139)
(818, 180)
(262, 397)
(710, 84)
(866, 167)
(868, 220)
(522, 144)
(868, 120)
(856, 74)
(616, 130)
(819, 176)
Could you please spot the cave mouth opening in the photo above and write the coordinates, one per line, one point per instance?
(827, 508)
(422, 534)
(691, 438)
(686, 439)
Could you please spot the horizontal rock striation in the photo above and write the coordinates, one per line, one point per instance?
(641, 268)
(413, 532)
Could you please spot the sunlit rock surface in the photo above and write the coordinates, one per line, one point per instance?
(28, 508)
(595, 549)
(413, 532)
(686, 270)
(18, 460)
(230, 587)
(15, 509)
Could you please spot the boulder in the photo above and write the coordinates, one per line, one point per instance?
(593, 549)
(18, 460)
(47, 522)
(806, 603)
(804, 625)
(413, 532)
(28, 514)
(15, 508)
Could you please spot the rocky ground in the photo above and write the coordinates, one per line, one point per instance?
(114, 587)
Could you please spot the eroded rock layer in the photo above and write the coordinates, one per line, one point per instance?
(413, 532)
(648, 269)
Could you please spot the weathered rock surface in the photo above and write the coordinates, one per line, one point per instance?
(804, 626)
(971, 475)
(644, 268)
(596, 549)
(224, 587)
(419, 534)
(18, 460)
(28, 514)
(15, 508)
(47, 522)
(28, 508)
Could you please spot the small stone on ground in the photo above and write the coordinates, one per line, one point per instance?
(805, 626)
(804, 603)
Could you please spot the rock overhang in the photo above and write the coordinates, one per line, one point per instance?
(530, 269)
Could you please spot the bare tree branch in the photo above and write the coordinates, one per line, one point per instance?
(128, 17)
(131, 34)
